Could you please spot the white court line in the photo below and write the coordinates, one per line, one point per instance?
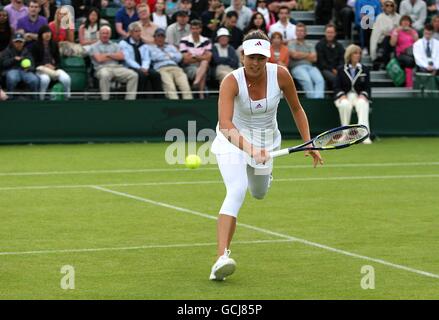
(160, 246)
(121, 171)
(172, 183)
(266, 231)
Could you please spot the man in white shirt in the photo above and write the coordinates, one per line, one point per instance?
(284, 26)
(426, 52)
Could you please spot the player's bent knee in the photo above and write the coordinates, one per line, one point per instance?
(258, 195)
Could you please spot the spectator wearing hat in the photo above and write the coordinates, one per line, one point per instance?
(197, 53)
(106, 57)
(165, 59)
(223, 55)
(147, 27)
(186, 5)
(137, 58)
(179, 29)
(11, 64)
(31, 24)
(126, 15)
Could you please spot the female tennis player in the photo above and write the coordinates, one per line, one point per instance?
(247, 132)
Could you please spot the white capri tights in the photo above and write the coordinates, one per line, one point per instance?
(238, 176)
(345, 107)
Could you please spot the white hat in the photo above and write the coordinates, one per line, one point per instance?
(222, 32)
(257, 46)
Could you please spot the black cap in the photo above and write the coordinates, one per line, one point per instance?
(181, 13)
(18, 37)
(160, 32)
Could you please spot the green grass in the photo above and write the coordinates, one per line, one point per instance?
(352, 208)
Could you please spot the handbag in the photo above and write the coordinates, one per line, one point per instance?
(395, 72)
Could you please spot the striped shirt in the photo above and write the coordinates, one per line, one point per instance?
(187, 44)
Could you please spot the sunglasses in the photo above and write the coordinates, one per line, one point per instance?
(389, 5)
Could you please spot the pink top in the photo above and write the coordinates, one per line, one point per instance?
(61, 35)
(405, 40)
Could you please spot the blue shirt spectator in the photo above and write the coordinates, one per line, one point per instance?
(167, 55)
(129, 48)
(125, 16)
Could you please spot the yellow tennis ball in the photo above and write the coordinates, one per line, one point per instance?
(26, 63)
(192, 161)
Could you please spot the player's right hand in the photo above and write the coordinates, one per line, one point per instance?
(260, 155)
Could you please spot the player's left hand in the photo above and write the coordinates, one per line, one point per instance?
(317, 158)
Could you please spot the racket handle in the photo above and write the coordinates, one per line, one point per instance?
(278, 153)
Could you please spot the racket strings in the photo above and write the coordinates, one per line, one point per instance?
(341, 137)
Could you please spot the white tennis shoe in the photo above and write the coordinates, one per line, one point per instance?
(223, 267)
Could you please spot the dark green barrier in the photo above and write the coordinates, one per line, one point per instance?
(149, 120)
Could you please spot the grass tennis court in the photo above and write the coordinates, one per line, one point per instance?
(134, 227)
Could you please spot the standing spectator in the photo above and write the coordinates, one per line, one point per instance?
(366, 12)
(224, 55)
(106, 57)
(279, 51)
(11, 59)
(257, 22)
(276, 5)
(344, 16)
(137, 58)
(159, 16)
(417, 10)
(5, 30)
(186, 5)
(179, 29)
(380, 48)
(165, 58)
(403, 39)
(124, 17)
(435, 23)
(31, 24)
(48, 9)
(236, 35)
(303, 55)
(330, 55)
(197, 53)
(89, 30)
(16, 10)
(212, 18)
(284, 26)
(352, 89)
(244, 13)
(63, 27)
(148, 27)
(261, 7)
(426, 52)
(46, 55)
(323, 11)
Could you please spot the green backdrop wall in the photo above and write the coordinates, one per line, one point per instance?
(149, 120)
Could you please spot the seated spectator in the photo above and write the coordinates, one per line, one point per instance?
(435, 23)
(244, 13)
(257, 22)
(352, 89)
(5, 30)
(284, 26)
(403, 39)
(165, 58)
(171, 7)
(323, 11)
(199, 6)
(186, 5)
(269, 17)
(432, 8)
(124, 17)
(48, 9)
(303, 55)
(30, 24)
(11, 66)
(212, 18)
(46, 56)
(148, 27)
(276, 5)
(236, 35)
(366, 12)
(224, 55)
(159, 16)
(106, 57)
(279, 51)
(179, 29)
(197, 53)
(330, 55)
(344, 16)
(63, 27)
(16, 10)
(137, 58)
(426, 52)
(417, 10)
(89, 30)
(83, 7)
(380, 48)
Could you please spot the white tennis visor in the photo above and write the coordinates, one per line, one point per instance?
(257, 46)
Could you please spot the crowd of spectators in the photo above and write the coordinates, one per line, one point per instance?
(182, 46)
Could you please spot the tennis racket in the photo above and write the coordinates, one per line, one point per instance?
(337, 138)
